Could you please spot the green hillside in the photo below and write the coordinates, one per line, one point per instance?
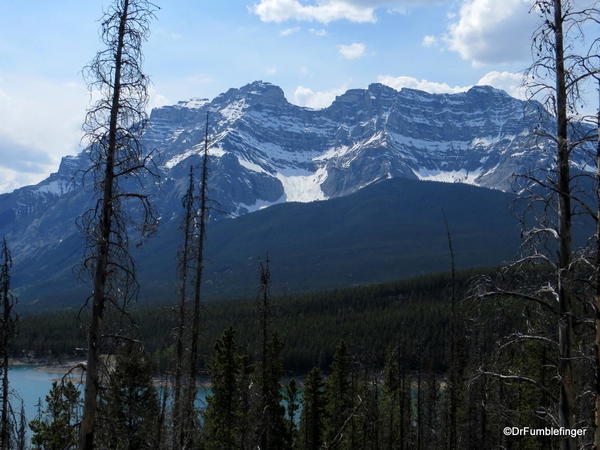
(390, 230)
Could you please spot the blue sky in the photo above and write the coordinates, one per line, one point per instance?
(313, 49)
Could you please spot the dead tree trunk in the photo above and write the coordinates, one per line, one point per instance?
(188, 203)
(92, 374)
(195, 330)
(21, 432)
(265, 283)
(452, 439)
(565, 326)
(114, 126)
(597, 293)
(6, 303)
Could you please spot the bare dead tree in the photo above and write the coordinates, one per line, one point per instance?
(548, 273)
(597, 286)
(21, 441)
(189, 414)
(7, 324)
(185, 258)
(264, 319)
(114, 126)
(453, 384)
(557, 74)
(564, 281)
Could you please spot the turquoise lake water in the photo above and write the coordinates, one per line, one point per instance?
(31, 385)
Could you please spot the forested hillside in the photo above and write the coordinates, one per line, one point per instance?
(414, 311)
(390, 230)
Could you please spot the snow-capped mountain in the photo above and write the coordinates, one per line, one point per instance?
(282, 152)
(265, 150)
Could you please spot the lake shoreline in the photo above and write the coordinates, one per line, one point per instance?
(75, 366)
(75, 369)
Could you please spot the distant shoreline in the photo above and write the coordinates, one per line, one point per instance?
(44, 365)
(61, 368)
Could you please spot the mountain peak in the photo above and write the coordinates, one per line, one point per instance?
(417, 93)
(486, 89)
(380, 88)
(259, 85)
(257, 92)
(263, 92)
(193, 103)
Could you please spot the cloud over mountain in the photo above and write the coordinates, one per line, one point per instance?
(326, 11)
(492, 31)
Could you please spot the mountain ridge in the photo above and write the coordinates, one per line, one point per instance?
(265, 150)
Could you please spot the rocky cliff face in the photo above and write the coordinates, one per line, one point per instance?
(281, 152)
(265, 150)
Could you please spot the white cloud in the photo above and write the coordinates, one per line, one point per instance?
(42, 116)
(289, 31)
(352, 51)
(156, 99)
(318, 32)
(326, 11)
(271, 70)
(508, 81)
(12, 179)
(492, 31)
(422, 85)
(304, 96)
(429, 41)
(40, 122)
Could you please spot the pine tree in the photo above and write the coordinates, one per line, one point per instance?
(419, 409)
(311, 432)
(269, 414)
(130, 405)
(245, 403)
(432, 409)
(222, 420)
(339, 404)
(291, 398)
(391, 403)
(22, 429)
(367, 413)
(56, 425)
(272, 430)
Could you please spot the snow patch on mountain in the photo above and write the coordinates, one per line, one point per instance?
(250, 165)
(234, 110)
(194, 103)
(197, 149)
(301, 185)
(259, 204)
(55, 187)
(448, 176)
(334, 152)
(427, 144)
